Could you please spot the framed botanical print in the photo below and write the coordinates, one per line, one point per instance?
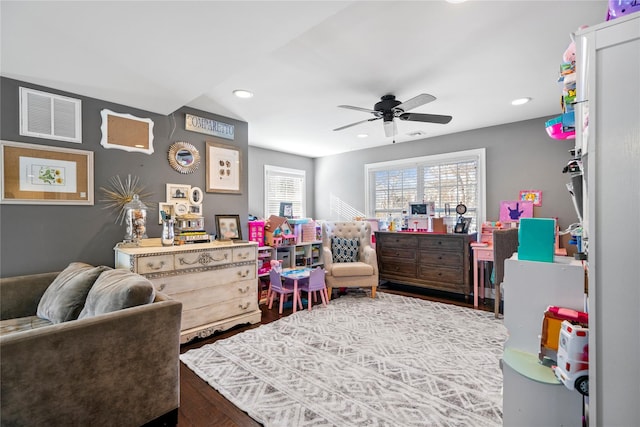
(43, 175)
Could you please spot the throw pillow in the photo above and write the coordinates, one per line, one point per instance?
(64, 298)
(115, 290)
(344, 250)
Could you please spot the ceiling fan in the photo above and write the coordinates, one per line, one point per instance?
(388, 108)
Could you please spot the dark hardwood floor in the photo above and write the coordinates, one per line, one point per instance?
(201, 405)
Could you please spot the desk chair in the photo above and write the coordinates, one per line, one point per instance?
(505, 243)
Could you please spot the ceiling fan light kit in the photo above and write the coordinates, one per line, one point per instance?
(389, 108)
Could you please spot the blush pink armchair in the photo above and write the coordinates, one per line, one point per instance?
(341, 272)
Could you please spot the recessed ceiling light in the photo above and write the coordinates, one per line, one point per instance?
(520, 101)
(241, 93)
(362, 135)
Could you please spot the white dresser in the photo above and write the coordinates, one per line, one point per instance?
(216, 282)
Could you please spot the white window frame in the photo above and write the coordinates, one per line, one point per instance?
(457, 156)
(270, 170)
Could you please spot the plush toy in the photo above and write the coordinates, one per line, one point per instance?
(618, 8)
(569, 55)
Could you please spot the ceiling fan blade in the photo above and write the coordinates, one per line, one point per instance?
(356, 123)
(416, 101)
(351, 107)
(390, 128)
(428, 118)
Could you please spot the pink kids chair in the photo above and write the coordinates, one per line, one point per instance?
(277, 287)
(313, 285)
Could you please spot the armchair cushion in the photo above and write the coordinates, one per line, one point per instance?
(344, 250)
(65, 297)
(347, 269)
(115, 290)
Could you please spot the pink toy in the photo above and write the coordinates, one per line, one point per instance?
(618, 8)
(569, 55)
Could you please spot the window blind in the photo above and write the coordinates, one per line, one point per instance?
(284, 185)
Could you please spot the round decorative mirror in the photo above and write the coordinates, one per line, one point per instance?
(184, 157)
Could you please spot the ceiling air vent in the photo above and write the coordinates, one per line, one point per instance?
(50, 116)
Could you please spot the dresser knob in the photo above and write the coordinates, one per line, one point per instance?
(245, 290)
(152, 267)
(245, 306)
(162, 286)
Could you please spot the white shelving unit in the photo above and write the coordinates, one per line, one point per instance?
(608, 89)
(306, 254)
(532, 394)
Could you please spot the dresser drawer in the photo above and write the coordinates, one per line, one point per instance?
(397, 240)
(447, 259)
(442, 243)
(244, 254)
(177, 284)
(214, 296)
(154, 264)
(198, 316)
(395, 267)
(399, 252)
(202, 258)
(440, 274)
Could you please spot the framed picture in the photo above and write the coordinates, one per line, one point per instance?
(513, 210)
(167, 208)
(195, 196)
(223, 168)
(178, 193)
(195, 210)
(534, 196)
(42, 175)
(286, 209)
(228, 227)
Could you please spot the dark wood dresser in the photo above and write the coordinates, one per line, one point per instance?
(429, 260)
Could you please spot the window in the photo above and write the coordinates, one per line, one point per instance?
(449, 178)
(284, 185)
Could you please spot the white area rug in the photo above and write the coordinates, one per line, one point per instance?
(390, 361)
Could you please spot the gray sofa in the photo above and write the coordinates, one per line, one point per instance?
(113, 366)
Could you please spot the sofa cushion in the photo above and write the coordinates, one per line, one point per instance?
(351, 269)
(115, 290)
(64, 298)
(344, 250)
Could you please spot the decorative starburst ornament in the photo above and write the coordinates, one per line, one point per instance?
(120, 192)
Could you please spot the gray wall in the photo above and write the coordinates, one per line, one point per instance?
(519, 156)
(258, 158)
(40, 238)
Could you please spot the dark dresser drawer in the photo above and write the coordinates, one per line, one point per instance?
(442, 243)
(446, 259)
(440, 274)
(395, 267)
(393, 252)
(397, 240)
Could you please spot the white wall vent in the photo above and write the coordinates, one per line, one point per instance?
(50, 116)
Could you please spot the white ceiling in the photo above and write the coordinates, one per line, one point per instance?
(302, 59)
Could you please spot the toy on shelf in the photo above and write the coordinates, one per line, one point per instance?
(278, 232)
(618, 8)
(573, 357)
(563, 126)
(551, 325)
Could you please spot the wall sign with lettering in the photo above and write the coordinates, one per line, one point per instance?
(209, 126)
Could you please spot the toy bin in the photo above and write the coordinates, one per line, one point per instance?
(256, 232)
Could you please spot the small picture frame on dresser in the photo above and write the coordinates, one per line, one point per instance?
(228, 227)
